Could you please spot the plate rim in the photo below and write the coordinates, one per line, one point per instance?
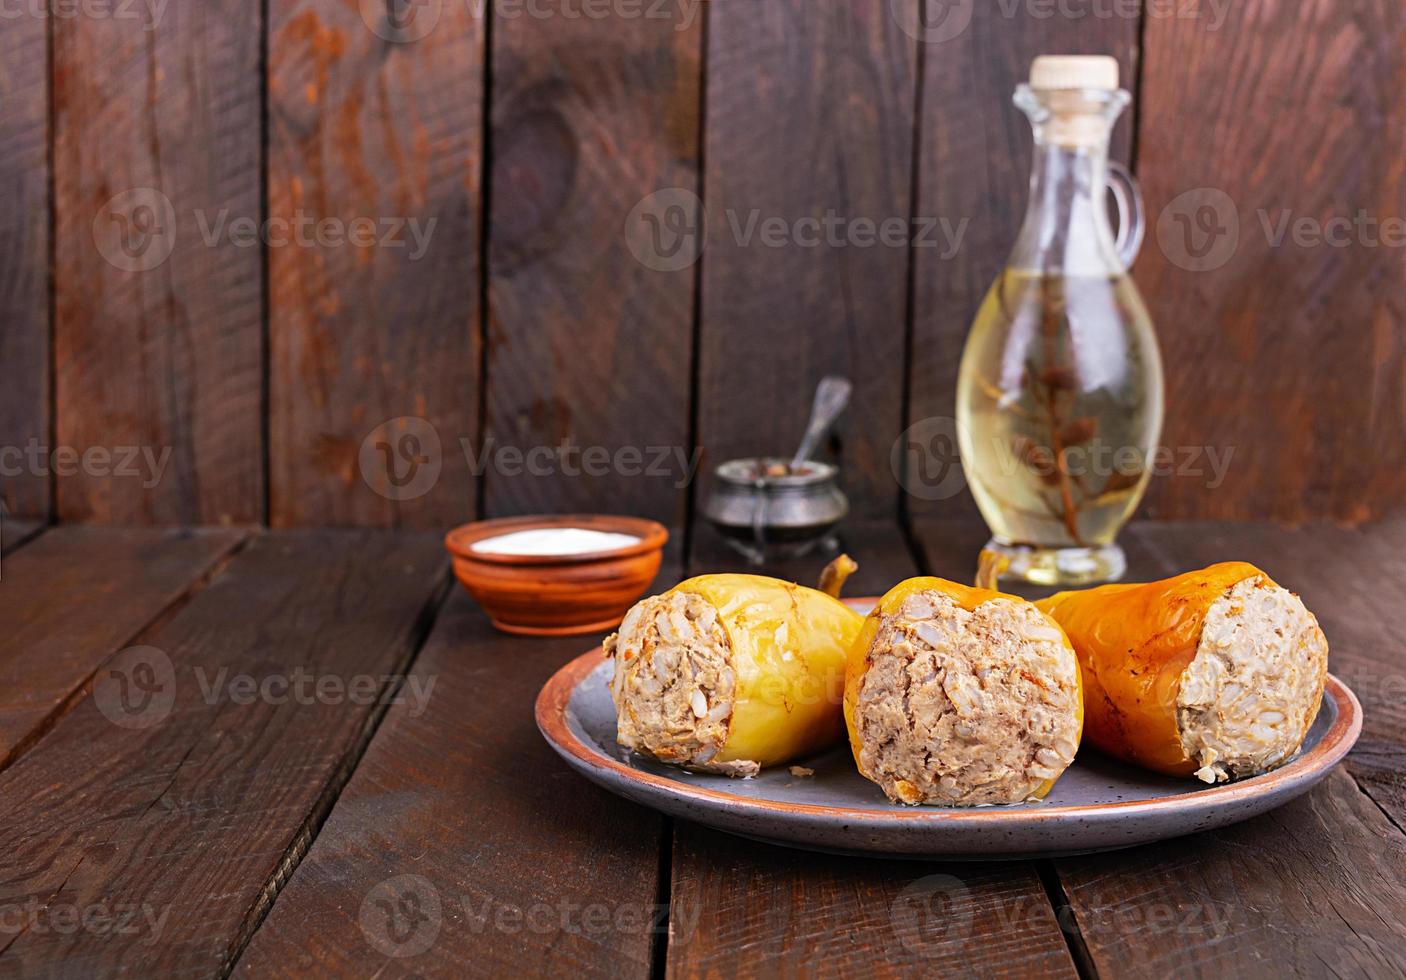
(555, 696)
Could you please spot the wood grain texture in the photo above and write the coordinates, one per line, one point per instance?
(24, 256)
(157, 339)
(590, 344)
(532, 870)
(75, 596)
(949, 547)
(1290, 354)
(1308, 890)
(192, 820)
(741, 908)
(1366, 609)
(974, 167)
(375, 122)
(809, 150)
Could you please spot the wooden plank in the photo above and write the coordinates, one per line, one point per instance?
(375, 134)
(750, 909)
(75, 596)
(1366, 586)
(1217, 904)
(974, 167)
(464, 808)
(1310, 319)
(157, 340)
(808, 170)
(1311, 889)
(189, 805)
(595, 134)
(24, 257)
(950, 547)
(744, 908)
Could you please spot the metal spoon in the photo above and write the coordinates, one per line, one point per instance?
(831, 397)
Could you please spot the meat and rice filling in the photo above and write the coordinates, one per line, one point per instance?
(963, 707)
(674, 684)
(1248, 698)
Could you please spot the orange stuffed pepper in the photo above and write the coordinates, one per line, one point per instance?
(958, 696)
(1216, 673)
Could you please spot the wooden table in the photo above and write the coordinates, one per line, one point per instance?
(324, 761)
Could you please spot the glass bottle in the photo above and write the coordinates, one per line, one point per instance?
(1059, 395)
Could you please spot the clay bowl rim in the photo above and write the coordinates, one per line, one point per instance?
(653, 536)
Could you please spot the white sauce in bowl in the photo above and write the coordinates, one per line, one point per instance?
(553, 541)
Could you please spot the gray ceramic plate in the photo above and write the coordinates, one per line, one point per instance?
(1098, 804)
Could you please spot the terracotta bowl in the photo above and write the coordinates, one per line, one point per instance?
(558, 595)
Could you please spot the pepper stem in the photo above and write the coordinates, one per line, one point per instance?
(832, 579)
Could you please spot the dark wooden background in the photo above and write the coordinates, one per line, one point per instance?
(529, 140)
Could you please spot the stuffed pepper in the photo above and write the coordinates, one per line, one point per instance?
(731, 673)
(958, 696)
(1216, 673)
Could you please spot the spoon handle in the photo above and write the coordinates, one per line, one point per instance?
(831, 397)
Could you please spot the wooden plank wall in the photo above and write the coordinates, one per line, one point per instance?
(589, 345)
(1291, 353)
(493, 227)
(157, 330)
(24, 255)
(375, 121)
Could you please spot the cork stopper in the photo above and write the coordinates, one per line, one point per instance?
(1058, 71)
(1080, 95)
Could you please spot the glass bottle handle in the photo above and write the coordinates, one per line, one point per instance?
(1131, 220)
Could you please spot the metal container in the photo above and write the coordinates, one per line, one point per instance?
(785, 514)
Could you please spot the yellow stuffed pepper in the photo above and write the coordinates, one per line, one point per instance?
(731, 673)
(1216, 673)
(959, 696)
